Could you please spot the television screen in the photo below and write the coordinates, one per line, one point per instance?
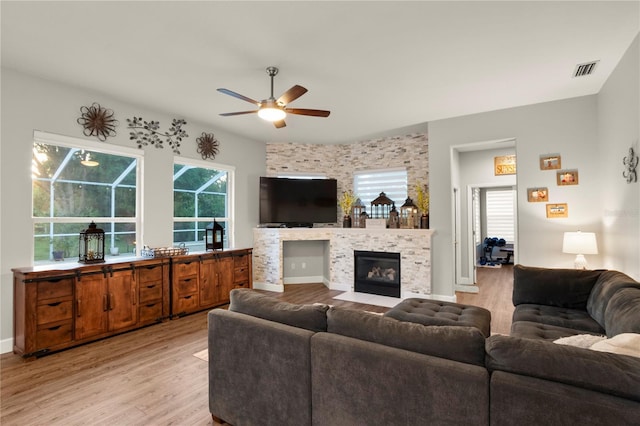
(298, 202)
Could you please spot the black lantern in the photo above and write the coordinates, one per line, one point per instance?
(409, 215)
(394, 219)
(91, 245)
(380, 207)
(214, 237)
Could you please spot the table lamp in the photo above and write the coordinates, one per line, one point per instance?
(580, 243)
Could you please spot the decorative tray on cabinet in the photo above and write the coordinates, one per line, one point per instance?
(164, 251)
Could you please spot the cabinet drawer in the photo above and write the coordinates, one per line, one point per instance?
(150, 291)
(188, 285)
(239, 261)
(187, 303)
(241, 274)
(51, 335)
(150, 312)
(150, 273)
(243, 284)
(55, 288)
(183, 269)
(54, 311)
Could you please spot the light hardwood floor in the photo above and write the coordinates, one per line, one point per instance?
(150, 376)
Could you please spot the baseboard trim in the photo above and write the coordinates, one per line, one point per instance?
(441, 297)
(305, 280)
(466, 288)
(6, 346)
(268, 287)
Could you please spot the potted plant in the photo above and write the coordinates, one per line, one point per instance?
(422, 199)
(61, 248)
(346, 202)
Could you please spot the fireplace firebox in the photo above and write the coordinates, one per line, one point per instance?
(377, 273)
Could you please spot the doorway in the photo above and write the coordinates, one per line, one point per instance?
(473, 176)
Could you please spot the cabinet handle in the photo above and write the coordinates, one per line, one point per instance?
(54, 304)
(133, 297)
(78, 308)
(105, 303)
(151, 286)
(111, 301)
(54, 328)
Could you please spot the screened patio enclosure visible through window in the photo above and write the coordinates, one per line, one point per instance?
(201, 194)
(73, 187)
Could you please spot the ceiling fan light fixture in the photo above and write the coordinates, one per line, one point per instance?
(87, 161)
(271, 113)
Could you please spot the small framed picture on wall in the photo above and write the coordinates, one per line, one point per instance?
(567, 177)
(555, 211)
(537, 195)
(550, 162)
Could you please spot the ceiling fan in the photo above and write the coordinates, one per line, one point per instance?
(275, 110)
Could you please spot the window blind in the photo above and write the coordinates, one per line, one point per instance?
(500, 214)
(368, 184)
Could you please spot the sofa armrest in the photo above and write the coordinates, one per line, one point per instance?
(259, 370)
(565, 288)
(599, 371)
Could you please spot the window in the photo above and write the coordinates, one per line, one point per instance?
(367, 185)
(201, 193)
(500, 214)
(74, 184)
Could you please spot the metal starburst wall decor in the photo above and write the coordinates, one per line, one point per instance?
(97, 121)
(208, 146)
(148, 133)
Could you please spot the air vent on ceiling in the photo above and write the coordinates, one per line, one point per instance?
(585, 69)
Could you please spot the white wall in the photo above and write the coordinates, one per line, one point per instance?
(30, 104)
(568, 127)
(618, 122)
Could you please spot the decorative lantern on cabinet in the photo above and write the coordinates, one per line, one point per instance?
(91, 245)
(214, 237)
(356, 213)
(380, 207)
(409, 215)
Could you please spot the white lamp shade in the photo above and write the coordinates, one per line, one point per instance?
(580, 243)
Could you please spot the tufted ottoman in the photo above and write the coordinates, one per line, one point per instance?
(436, 312)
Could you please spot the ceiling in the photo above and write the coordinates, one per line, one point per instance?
(378, 66)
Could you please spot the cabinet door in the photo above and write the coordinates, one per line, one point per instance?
(225, 277)
(122, 299)
(91, 306)
(209, 283)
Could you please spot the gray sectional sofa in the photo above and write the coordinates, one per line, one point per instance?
(276, 363)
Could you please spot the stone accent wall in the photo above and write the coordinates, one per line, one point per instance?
(340, 161)
(414, 246)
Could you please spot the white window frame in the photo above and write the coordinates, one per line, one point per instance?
(72, 142)
(231, 178)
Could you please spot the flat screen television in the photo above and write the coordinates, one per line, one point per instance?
(297, 202)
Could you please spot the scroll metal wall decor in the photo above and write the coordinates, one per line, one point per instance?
(148, 133)
(208, 146)
(97, 121)
(630, 162)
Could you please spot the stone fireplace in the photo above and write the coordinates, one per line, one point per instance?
(377, 273)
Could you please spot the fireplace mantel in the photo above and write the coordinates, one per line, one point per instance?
(414, 246)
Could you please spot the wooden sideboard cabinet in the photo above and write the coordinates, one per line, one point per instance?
(59, 308)
(203, 281)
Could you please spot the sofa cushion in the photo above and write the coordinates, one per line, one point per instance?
(566, 288)
(464, 344)
(622, 344)
(250, 302)
(599, 371)
(436, 312)
(623, 312)
(576, 319)
(538, 330)
(608, 283)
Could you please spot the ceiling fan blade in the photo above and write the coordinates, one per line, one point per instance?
(291, 95)
(239, 96)
(311, 112)
(229, 114)
(279, 124)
